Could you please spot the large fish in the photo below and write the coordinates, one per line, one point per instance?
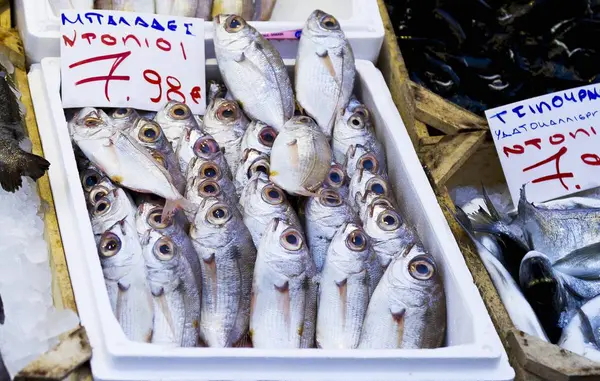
(183, 8)
(325, 70)
(227, 256)
(253, 71)
(174, 118)
(140, 6)
(408, 308)
(280, 287)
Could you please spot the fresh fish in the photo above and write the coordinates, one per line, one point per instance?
(121, 158)
(174, 118)
(141, 6)
(227, 256)
(253, 70)
(364, 182)
(204, 9)
(90, 177)
(14, 161)
(582, 263)
(323, 216)
(301, 157)
(408, 308)
(581, 334)
(359, 157)
(263, 9)
(279, 288)
(242, 8)
(149, 134)
(371, 199)
(112, 208)
(191, 142)
(259, 137)
(176, 298)
(202, 170)
(336, 179)
(354, 128)
(206, 149)
(125, 276)
(201, 188)
(262, 201)
(344, 289)
(252, 162)
(489, 241)
(183, 8)
(124, 118)
(226, 123)
(325, 70)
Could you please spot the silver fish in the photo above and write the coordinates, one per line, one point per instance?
(176, 298)
(111, 209)
(183, 8)
(205, 169)
(124, 271)
(359, 157)
(141, 6)
(371, 199)
(253, 71)
(200, 189)
(174, 118)
(344, 289)
(408, 308)
(581, 334)
(259, 137)
(124, 118)
(226, 123)
(243, 8)
(325, 70)
(323, 216)
(191, 142)
(206, 149)
(301, 157)
(252, 162)
(336, 179)
(263, 10)
(279, 288)
(262, 201)
(98, 191)
(227, 256)
(364, 182)
(204, 9)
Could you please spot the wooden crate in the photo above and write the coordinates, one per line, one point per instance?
(455, 148)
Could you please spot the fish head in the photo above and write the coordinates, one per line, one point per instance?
(91, 123)
(364, 182)
(263, 198)
(91, 177)
(336, 178)
(349, 248)
(103, 189)
(367, 201)
(149, 216)
(352, 126)
(124, 117)
(253, 161)
(176, 115)
(162, 258)
(207, 188)
(358, 157)
(209, 170)
(259, 136)
(207, 148)
(216, 222)
(148, 133)
(324, 29)
(115, 250)
(284, 247)
(111, 208)
(222, 114)
(382, 221)
(233, 33)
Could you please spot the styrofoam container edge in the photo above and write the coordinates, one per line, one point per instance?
(474, 351)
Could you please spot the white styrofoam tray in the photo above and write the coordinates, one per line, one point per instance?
(360, 19)
(473, 350)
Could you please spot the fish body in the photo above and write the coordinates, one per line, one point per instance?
(263, 10)
(362, 184)
(359, 157)
(325, 70)
(408, 308)
(174, 118)
(141, 6)
(581, 334)
(183, 8)
(227, 257)
(243, 8)
(279, 288)
(301, 157)
(344, 290)
(252, 162)
(204, 9)
(259, 137)
(253, 71)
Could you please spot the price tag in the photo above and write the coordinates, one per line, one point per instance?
(551, 143)
(126, 59)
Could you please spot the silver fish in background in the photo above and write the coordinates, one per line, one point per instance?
(111, 209)
(141, 6)
(259, 137)
(371, 199)
(336, 179)
(124, 271)
(301, 157)
(211, 170)
(206, 149)
(226, 123)
(358, 157)
(176, 298)
(279, 288)
(174, 118)
(408, 308)
(91, 176)
(183, 8)
(243, 8)
(227, 256)
(204, 9)
(124, 118)
(323, 216)
(150, 135)
(344, 290)
(364, 182)
(263, 9)
(581, 334)
(200, 189)
(325, 70)
(253, 71)
(262, 201)
(192, 141)
(252, 162)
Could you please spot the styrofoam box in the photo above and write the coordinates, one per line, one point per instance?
(360, 19)
(473, 350)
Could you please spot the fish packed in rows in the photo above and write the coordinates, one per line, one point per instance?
(269, 221)
(256, 10)
(545, 263)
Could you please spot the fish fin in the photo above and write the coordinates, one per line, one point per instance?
(285, 287)
(294, 153)
(583, 263)
(329, 66)
(490, 205)
(172, 206)
(239, 57)
(162, 302)
(590, 329)
(244, 342)
(465, 223)
(321, 51)
(2, 316)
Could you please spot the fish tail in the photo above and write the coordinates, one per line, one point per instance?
(489, 204)
(15, 163)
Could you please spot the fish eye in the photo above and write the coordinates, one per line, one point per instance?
(369, 163)
(150, 132)
(164, 249)
(272, 195)
(155, 219)
(109, 245)
(210, 171)
(208, 188)
(362, 111)
(234, 24)
(421, 268)
(267, 136)
(330, 198)
(179, 111)
(89, 179)
(356, 121)
(96, 194)
(219, 214)
(122, 112)
(101, 207)
(260, 166)
(336, 176)
(92, 122)
(227, 111)
(206, 147)
(304, 119)
(356, 240)
(329, 22)
(389, 220)
(160, 159)
(291, 240)
(377, 186)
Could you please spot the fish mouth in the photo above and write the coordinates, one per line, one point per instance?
(538, 272)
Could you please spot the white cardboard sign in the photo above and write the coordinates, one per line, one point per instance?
(550, 143)
(127, 59)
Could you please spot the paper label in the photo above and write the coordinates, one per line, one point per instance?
(127, 59)
(551, 143)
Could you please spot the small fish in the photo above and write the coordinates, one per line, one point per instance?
(263, 10)
(324, 215)
(141, 6)
(371, 199)
(253, 70)
(262, 201)
(90, 177)
(174, 118)
(110, 209)
(211, 170)
(183, 8)
(206, 149)
(408, 308)
(325, 70)
(581, 334)
(259, 137)
(279, 288)
(364, 182)
(191, 142)
(336, 179)
(359, 157)
(58, 5)
(252, 162)
(227, 256)
(200, 189)
(344, 289)
(226, 123)
(124, 118)
(243, 8)
(301, 157)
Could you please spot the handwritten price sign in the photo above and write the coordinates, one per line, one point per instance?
(551, 143)
(125, 59)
